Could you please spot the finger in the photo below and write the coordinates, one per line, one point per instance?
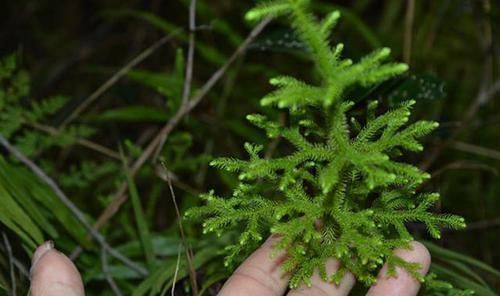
(52, 273)
(259, 274)
(403, 284)
(322, 288)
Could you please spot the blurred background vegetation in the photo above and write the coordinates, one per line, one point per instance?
(90, 89)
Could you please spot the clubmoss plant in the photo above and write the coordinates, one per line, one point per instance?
(341, 192)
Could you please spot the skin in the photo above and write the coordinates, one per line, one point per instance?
(52, 273)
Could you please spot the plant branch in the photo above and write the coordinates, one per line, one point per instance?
(83, 142)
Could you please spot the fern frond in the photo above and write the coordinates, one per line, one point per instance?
(269, 8)
(229, 164)
(329, 23)
(338, 190)
(292, 94)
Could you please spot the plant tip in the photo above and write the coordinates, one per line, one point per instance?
(251, 15)
(385, 51)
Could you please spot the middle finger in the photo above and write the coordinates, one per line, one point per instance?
(322, 288)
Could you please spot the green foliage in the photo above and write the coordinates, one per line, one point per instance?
(142, 226)
(462, 271)
(341, 192)
(31, 210)
(17, 113)
(29, 207)
(76, 59)
(437, 287)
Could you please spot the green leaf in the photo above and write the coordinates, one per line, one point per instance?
(169, 85)
(162, 24)
(207, 51)
(163, 246)
(268, 8)
(39, 196)
(421, 87)
(134, 114)
(448, 254)
(15, 218)
(142, 226)
(161, 279)
(461, 281)
(466, 270)
(10, 177)
(280, 40)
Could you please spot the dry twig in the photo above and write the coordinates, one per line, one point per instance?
(187, 248)
(113, 79)
(190, 56)
(408, 37)
(83, 142)
(107, 275)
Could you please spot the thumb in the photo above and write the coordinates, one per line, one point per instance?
(53, 274)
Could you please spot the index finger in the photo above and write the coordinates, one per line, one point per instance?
(259, 274)
(403, 283)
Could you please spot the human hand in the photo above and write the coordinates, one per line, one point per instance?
(261, 275)
(53, 274)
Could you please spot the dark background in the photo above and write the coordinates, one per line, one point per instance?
(73, 47)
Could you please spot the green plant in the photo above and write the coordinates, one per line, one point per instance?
(340, 192)
(436, 287)
(20, 118)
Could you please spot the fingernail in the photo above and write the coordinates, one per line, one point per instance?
(39, 252)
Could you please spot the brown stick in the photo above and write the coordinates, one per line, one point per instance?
(410, 15)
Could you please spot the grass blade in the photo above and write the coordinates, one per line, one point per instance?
(142, 227)
(434, 249)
